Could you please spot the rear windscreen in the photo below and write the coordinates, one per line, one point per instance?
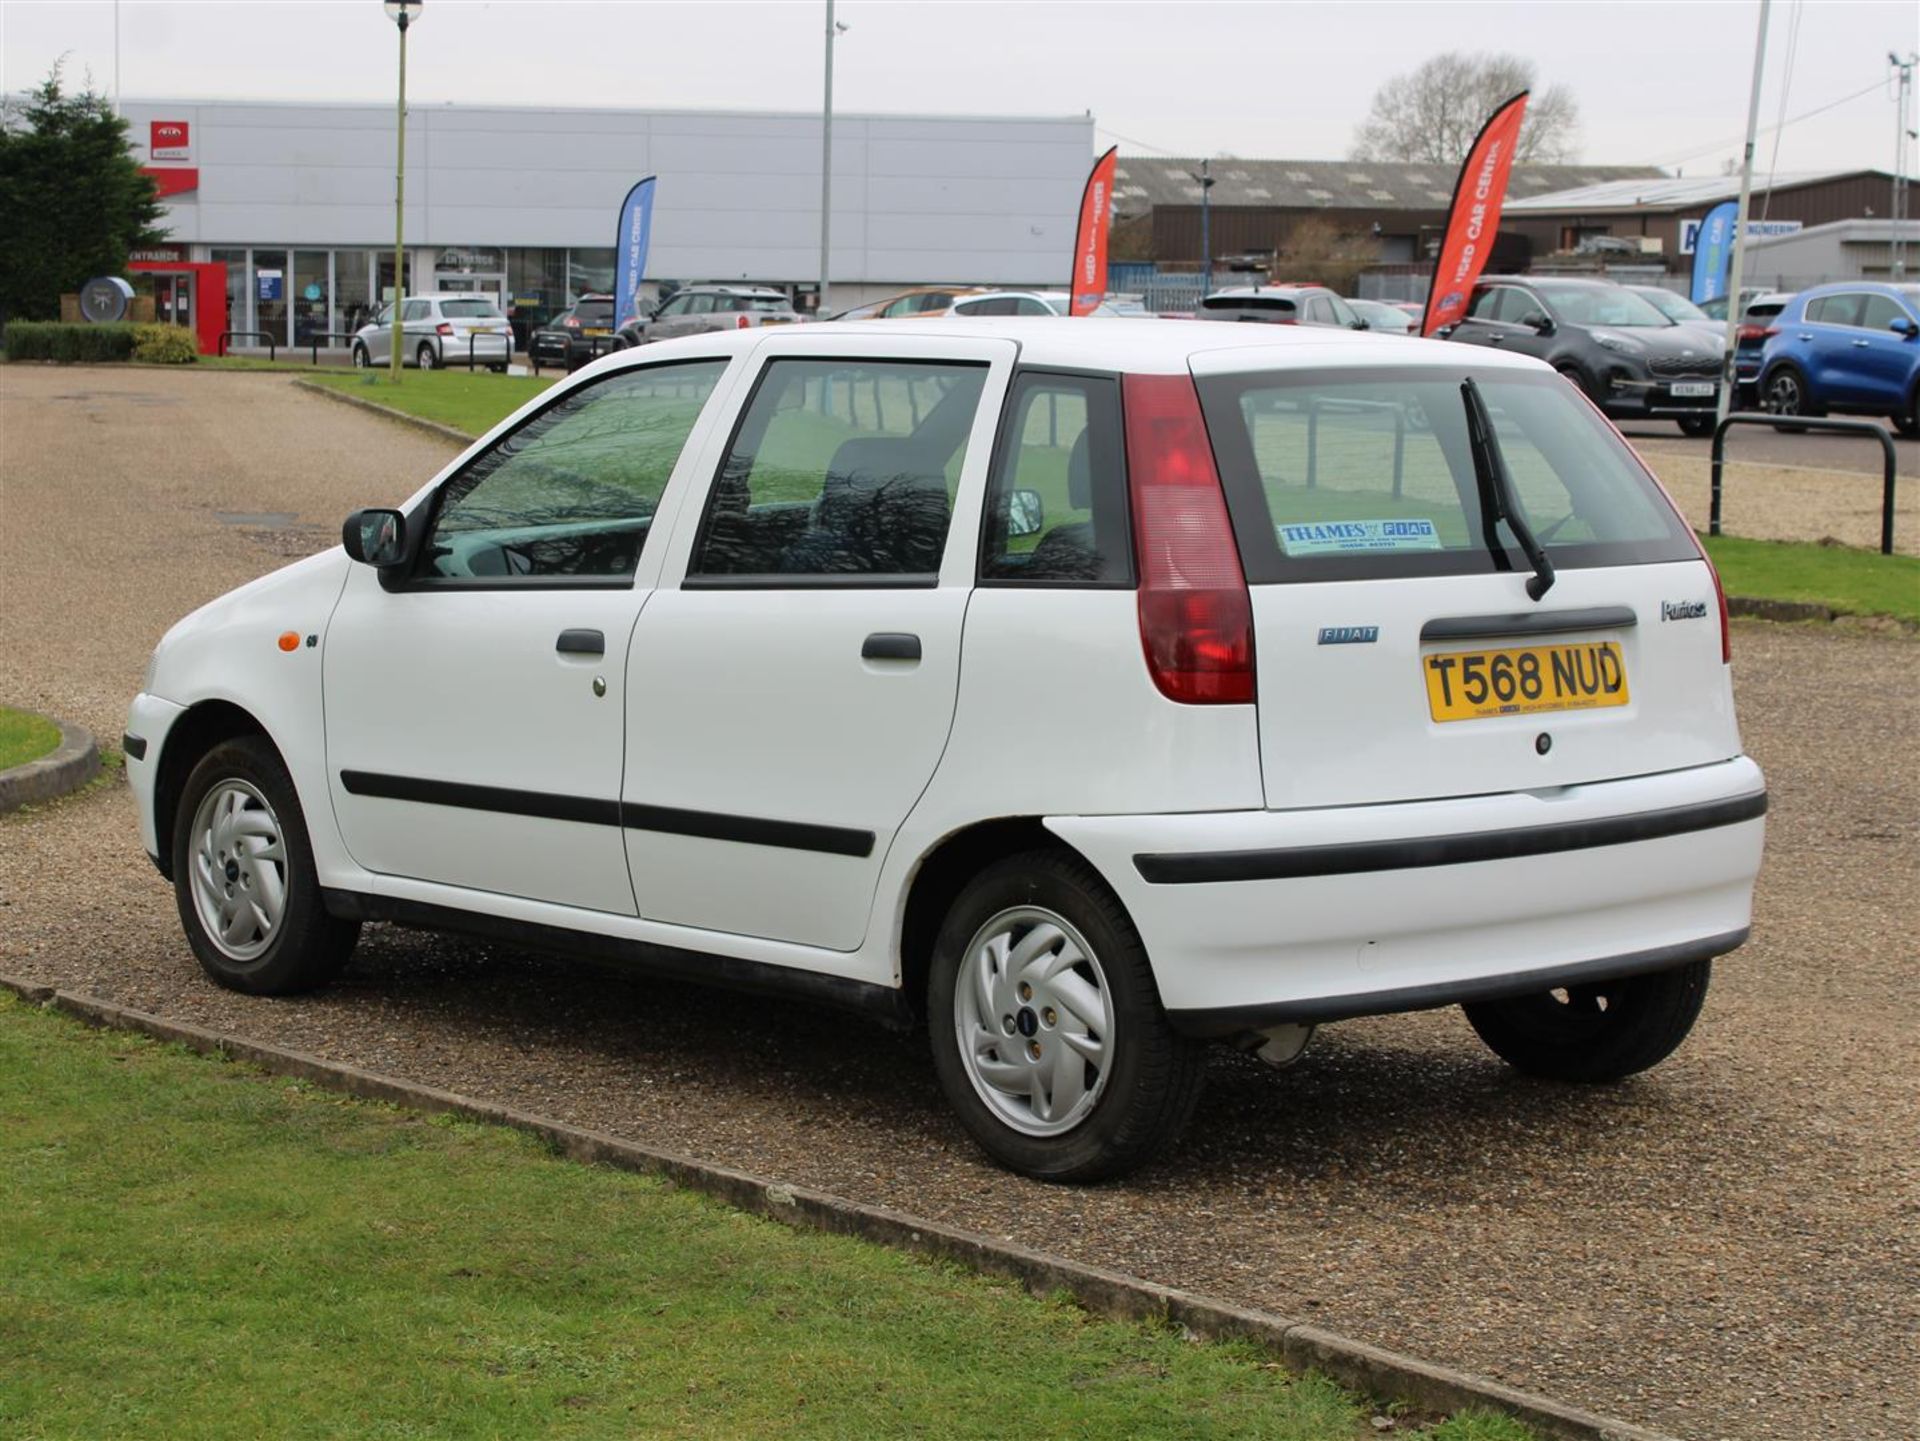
(594, 312)
(470, 310)
(762, 302)
(1342, 475)
(1278, 304)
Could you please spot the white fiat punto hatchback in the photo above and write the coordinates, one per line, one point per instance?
(1085, 692)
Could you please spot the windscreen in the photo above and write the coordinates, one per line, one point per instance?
(1337, 476)
(1602, 305)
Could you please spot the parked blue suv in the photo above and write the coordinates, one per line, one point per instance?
(1850, 346)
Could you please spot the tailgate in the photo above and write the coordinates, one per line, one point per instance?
(1373, 691)
(1399, 654)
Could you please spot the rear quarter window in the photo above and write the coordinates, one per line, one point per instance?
(1335, 476)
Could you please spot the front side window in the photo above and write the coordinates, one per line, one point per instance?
(701, 305)
(840, 468)
(1880, 311)
(1339, 477)
(1057, 506)
(570, 494)
(675, 306)
(415, 310)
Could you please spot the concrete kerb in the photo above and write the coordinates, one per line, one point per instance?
(434, 427)
(67, 767)
(1370, 1369)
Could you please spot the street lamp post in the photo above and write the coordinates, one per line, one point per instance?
(834, 30)
(1206, 182)
(403, 13)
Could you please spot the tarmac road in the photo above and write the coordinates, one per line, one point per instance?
(1726, 1247)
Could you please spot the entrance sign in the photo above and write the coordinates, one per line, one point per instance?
(630, 251)
(169, 140)
(1474, 218)
(1089, 286)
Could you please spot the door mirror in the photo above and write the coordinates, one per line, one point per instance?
(1904, 328)
(375, 537)
(1026, 514)
(1538, 321)
(1360, 325)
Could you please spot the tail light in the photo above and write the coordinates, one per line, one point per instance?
(1720, 595)
(1754, 334)
(743, 322)
(1196, 618)
(443, 329)
(571, 323)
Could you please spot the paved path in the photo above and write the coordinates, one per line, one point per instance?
(1727, 1247)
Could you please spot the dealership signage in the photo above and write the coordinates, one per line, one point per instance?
(1473, 220)
(1690, 231)
(169, 140)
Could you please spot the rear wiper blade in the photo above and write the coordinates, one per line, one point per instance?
(1497, 502)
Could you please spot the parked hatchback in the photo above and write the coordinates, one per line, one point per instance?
(577, 335)
(1085, 693)
(437, 330)
(1281, 305)
(697, 309)
(1632, 361)
(1851, 346)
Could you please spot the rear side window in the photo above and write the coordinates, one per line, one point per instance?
(1057, 505)
(840, 470)
(1337, 476)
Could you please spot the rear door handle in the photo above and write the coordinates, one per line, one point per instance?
(1863, 344)
(581, 642)
(891, 645)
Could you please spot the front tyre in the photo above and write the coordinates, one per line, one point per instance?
(1697, 425)
(1601, 1031)
(243, 877)
(1048, 1034)
(429, 357)
(362, 360)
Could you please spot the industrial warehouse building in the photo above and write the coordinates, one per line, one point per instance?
(288, 208)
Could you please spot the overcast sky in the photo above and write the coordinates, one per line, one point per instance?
(1660, 83)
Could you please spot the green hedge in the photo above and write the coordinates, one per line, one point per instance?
(50, 340)
(164, 345)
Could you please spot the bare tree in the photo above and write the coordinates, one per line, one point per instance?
(1315, 251)
(1432, 114)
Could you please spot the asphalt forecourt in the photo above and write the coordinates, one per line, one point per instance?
(1721, 1248)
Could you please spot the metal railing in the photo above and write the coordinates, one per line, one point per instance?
(259, 335)
(316, 338)
(502, 356)
(1806, 422)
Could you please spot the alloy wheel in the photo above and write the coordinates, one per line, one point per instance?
(1784, 396)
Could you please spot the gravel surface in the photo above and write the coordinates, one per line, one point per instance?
(1726, 1247)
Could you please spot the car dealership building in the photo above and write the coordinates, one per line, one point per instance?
(289, 207)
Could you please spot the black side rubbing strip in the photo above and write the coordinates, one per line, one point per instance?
(1545, 622)
(1420, 852)
(711, 825)
(581, 642)
(891, 645)
(133, 745)
(483, 798)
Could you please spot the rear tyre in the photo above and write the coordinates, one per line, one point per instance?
(429, 358)
(1697, 424)
(1048, 1034)
(243, 876)
(362, 359)
(1601, 1031)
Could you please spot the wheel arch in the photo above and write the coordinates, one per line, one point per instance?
(203, 726)
(943, 871)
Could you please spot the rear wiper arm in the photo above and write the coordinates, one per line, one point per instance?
(1497, 502)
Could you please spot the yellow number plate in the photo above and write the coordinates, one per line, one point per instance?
(1471, 684)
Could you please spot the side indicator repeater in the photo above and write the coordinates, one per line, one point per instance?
(289, 640)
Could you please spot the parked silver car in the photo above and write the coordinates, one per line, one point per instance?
(437, 330)
(698, 309)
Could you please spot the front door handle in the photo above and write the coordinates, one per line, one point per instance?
(1863, 344)
(581, 642)
(891, 645)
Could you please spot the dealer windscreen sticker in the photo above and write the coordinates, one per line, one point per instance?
(1333, 537)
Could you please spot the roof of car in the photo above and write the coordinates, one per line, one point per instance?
(732, 290)
(1140, 346)
(1564, 282)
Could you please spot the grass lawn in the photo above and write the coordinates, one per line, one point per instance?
(1848, 580)
(24, 737)
(473, 403)
(193, 1248)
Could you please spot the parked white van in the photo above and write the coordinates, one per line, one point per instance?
(1083, 692)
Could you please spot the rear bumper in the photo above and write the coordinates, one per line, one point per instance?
(1255, 918)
